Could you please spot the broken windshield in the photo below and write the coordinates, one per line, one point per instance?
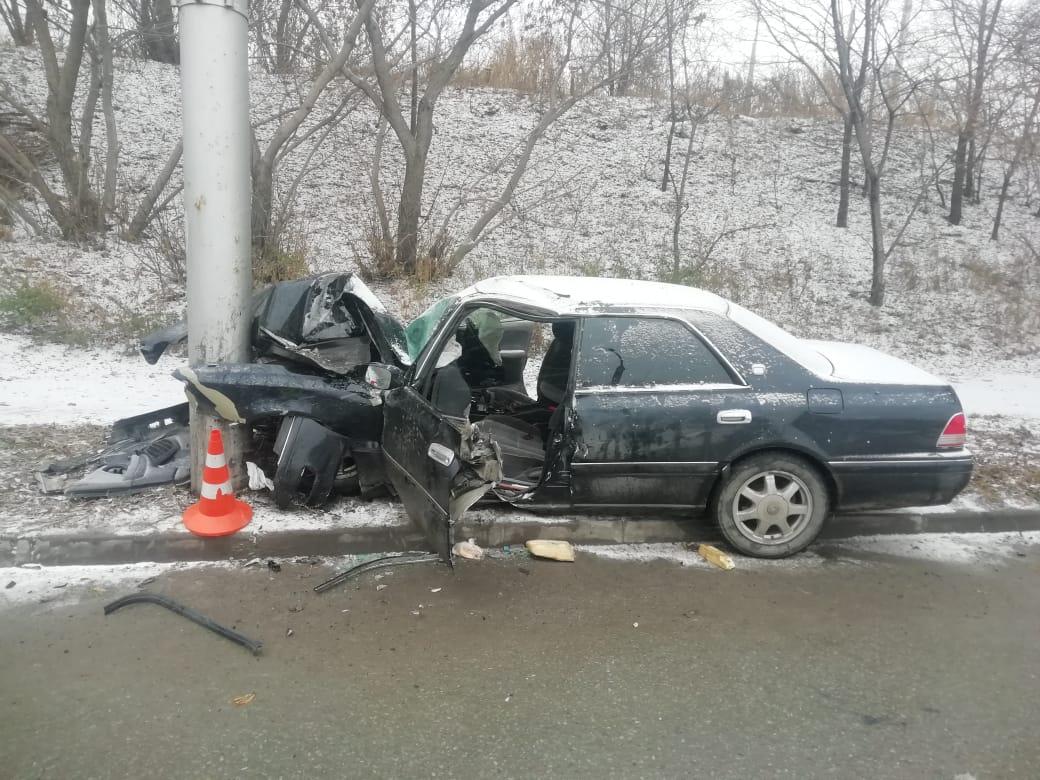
(422, 328)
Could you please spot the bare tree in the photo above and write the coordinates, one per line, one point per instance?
(972, 25)
(80, 210)
(851, 78)
(285, 35)
(645, 39)
(265, 161)
(415, 137)
(802, 30)
(1024, 57)
(149, 206)
(157, 31)
(15, 14)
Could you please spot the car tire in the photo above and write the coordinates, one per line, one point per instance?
(772, 505)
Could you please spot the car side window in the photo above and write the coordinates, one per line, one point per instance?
(642, 352)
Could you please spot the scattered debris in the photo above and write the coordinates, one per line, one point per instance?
(252, 562)
(273, 565)
(242, 701)
(380, 586)
(551, 549)
(402, 559)
(146, 581)
(289, 632)
(635, 625)
(34, 566)
(258, 480)
(524, 570)
(468, 549)
(9, 585)
(435, 590)
(252, 645)
(141, 452)
(164, 461)
(715, 556)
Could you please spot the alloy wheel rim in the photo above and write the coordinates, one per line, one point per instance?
(772, 507)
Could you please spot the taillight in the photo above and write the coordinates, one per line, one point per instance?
(952, 437)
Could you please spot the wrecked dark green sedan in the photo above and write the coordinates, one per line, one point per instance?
(560, 393)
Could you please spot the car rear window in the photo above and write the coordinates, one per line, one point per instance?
(641, 352)
(780, 339)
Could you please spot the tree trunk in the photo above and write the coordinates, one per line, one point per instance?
(970, 171)
(283, 57)
(158, 32)
(1005, 185)
(680, 202)
(1009, 172)
(409, 212)
(263, 203)
(960, 159)
(19, 25)
(146, 207)
(877, 242)
(844, 183)
(104, 43)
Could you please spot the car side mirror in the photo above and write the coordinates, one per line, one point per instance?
(383, 377)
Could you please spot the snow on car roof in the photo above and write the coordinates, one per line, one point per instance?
(573, 294)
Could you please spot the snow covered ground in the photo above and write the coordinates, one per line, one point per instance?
(50, 383)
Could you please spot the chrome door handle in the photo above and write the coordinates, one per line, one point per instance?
(733, 417)
(440, 454)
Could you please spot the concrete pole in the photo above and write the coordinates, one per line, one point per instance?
(217, 192)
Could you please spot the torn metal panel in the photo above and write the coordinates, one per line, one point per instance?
(309, 457)
(254, 391)
(331, 321)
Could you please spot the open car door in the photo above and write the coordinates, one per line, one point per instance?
(439, 465)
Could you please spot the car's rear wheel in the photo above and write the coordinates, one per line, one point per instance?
(772, 505)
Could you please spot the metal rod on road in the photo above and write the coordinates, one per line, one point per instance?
(217, 192)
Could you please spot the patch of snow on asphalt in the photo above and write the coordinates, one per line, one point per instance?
(46, 584)
(52, 384)
(946, 548)
(679, 553)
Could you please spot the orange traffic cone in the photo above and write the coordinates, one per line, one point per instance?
(218, 512)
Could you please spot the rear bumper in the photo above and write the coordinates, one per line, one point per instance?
(891, 481)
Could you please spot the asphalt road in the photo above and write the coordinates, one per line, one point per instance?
(858, 665)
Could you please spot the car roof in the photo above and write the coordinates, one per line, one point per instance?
(584, 294)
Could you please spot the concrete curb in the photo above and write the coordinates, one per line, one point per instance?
(487, 530)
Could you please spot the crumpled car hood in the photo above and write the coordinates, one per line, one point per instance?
(328, 321)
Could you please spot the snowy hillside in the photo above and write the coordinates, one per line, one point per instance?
(762, 198)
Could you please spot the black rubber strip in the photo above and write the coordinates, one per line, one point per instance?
(251, 645)
(378, 563)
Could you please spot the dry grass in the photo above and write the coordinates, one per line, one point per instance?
(524, 65)
(1007, 463)
(1008, 292)
(377, 260)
